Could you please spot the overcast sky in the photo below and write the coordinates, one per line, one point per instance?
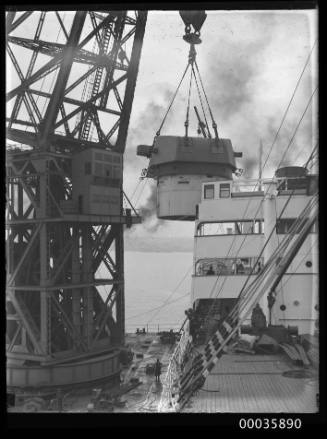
(250, 62)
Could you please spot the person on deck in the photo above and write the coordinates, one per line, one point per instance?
(157, 370)
(210, 271)
(239, 267)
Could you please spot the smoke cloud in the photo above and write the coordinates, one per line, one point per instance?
(148, 211)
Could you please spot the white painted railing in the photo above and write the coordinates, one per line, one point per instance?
(170, 391)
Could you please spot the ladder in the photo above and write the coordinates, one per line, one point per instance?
(200, 365)
(95, 87)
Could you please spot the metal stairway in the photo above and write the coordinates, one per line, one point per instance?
(199, 365)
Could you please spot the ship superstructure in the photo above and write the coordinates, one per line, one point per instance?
(239, 225)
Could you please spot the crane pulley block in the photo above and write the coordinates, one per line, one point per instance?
(193, 19)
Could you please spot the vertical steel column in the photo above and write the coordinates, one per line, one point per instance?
(44, 259)
(76, 278)
(87, 291)
(120, 288)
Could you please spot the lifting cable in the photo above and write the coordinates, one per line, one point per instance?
(188, 104)
(194, 73)
(201, 103)
(172, 101)
(214, 125)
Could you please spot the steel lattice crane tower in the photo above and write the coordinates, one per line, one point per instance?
(71, 80)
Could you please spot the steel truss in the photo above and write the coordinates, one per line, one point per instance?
(65, 270)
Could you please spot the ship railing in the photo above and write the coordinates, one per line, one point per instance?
(173, 370)
(151, 328)
(256, 185)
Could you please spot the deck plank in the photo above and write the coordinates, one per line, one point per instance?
(250, 384)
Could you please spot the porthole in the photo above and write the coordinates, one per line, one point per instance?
(317, 307)
(308, 264)
(296, 303)
(282, 307)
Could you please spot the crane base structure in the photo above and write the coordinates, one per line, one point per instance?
(68, 110)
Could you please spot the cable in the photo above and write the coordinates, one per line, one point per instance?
(142, 189)
(290, 102)
(314, 151)
(289, 275)
(313, 164)
(188, 104)
(172, 101)
(153, 309)
(290, 142)
(214, 125)
(299, 123)
(171, 294)
(201, 103)
(297, 225)
(136, 187)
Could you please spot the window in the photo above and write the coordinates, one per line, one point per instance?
(98, 169)
(87, 168)
(209, 191)
(107, 170)
(283, 225)
(228, 266)
(107, 158)
(231, 228)
(224, 190)
(98, 156)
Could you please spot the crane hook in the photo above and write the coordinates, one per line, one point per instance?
(193, 19)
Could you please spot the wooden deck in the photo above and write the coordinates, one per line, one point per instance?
(255, 383)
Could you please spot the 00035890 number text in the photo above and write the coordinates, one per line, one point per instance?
(270, 423)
